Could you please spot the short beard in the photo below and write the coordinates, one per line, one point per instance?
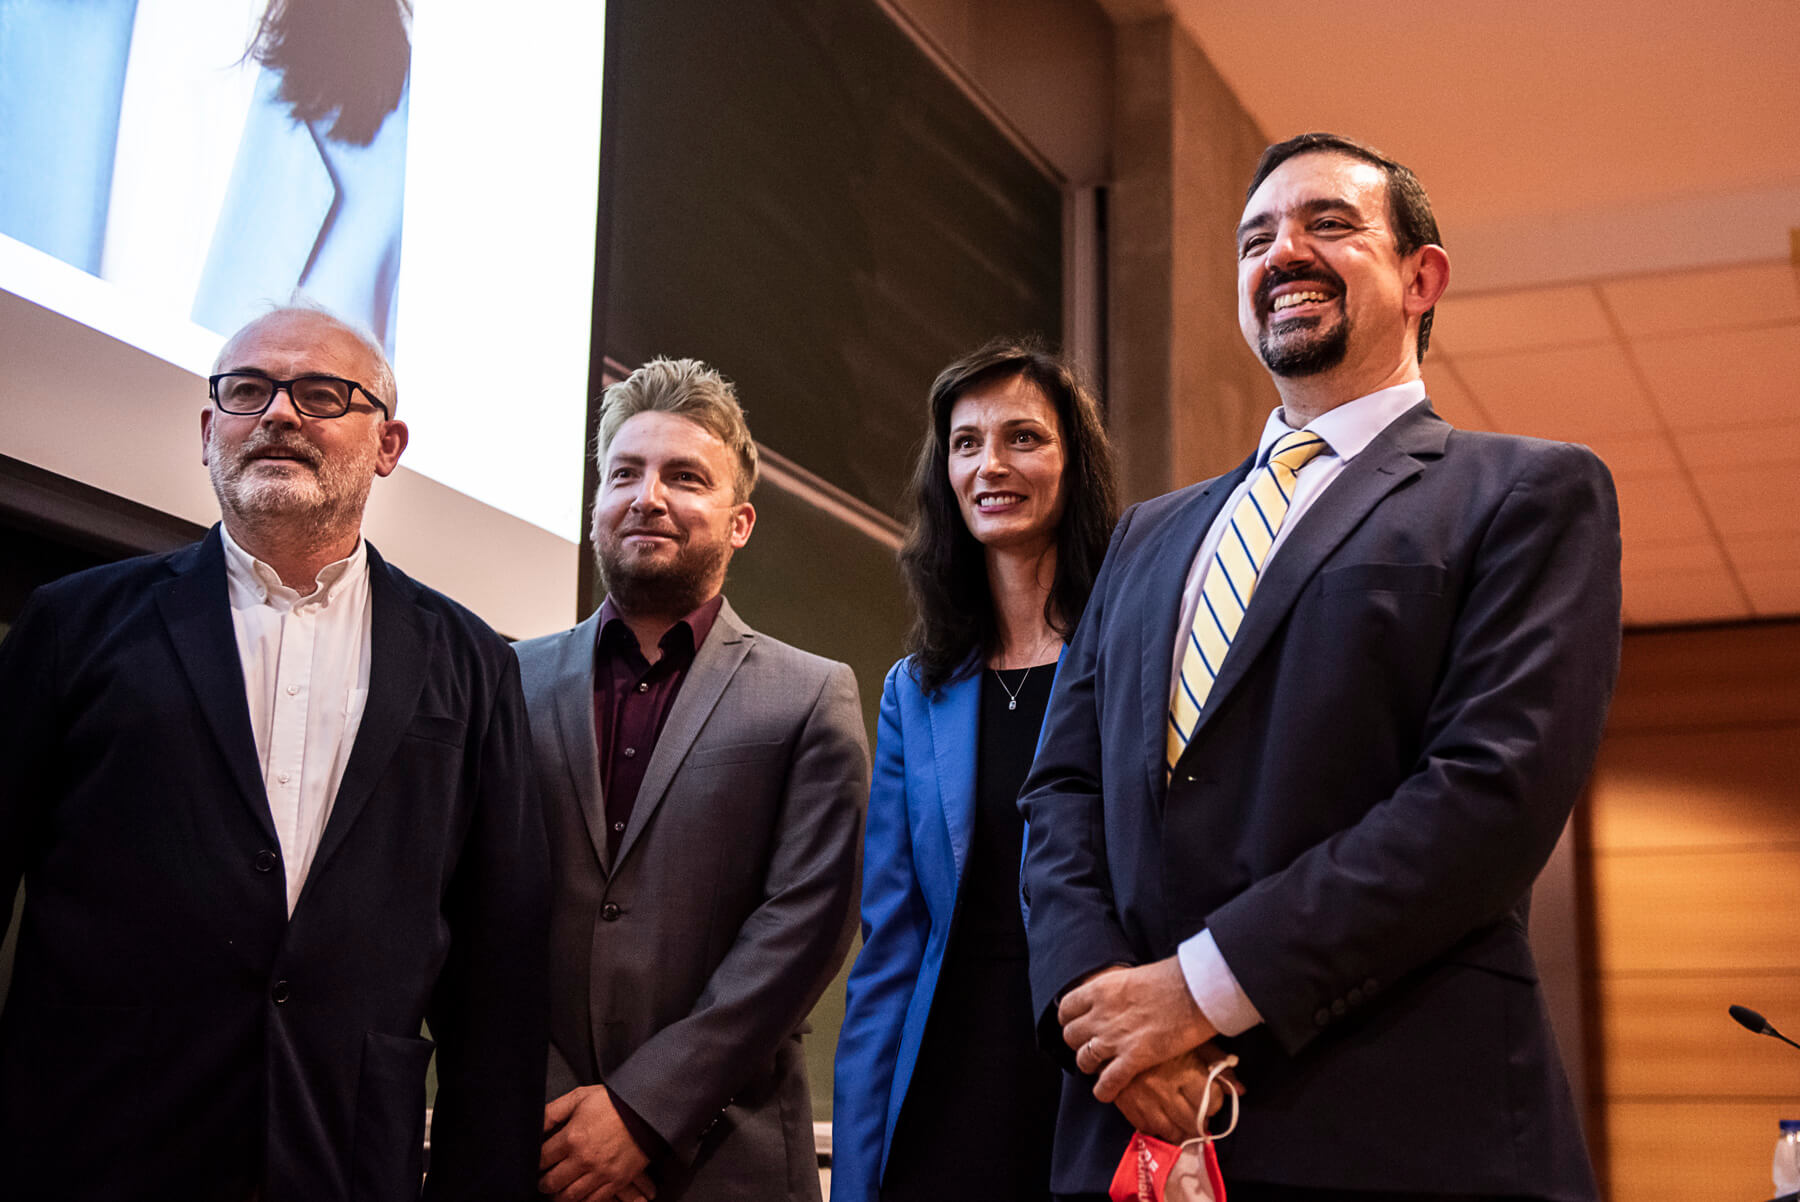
(320, 510)
(1304, 352)
(670, 592)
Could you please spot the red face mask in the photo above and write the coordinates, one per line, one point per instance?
(1155, 1171)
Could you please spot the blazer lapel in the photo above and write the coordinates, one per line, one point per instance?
(955, 732)
(715, 662)
(196, 607)
(574, 716)
(1173, 556)
(1384, 465)
(399, 635)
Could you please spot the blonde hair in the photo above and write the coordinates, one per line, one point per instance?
(687, 388)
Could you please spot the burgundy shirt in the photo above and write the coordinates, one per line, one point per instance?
(632, 699)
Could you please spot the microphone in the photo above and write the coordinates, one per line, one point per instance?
(1750, 1020)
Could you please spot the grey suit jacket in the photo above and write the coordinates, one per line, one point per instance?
(682, 972)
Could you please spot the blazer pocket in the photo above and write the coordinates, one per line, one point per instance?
(437, 729)
(735, 753)
(1424, 578)
(388, 1156)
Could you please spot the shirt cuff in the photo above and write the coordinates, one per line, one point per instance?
(1222, 1001)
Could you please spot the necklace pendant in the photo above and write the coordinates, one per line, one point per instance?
(1013, 704)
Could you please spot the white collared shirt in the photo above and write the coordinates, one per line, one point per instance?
(1348, 429)
(306, 678)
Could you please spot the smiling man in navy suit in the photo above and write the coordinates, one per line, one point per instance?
(272, 803)
(1318, 732)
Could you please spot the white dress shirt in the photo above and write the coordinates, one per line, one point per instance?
(1348, 429)
(306, 677)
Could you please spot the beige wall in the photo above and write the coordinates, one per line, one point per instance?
(1694, 829)
(1187, 397)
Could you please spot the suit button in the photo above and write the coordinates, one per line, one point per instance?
(1369, 987)
(1355, 997)
(1338, 1007)
(281, 992)
(1322, 1018)
(264, 861)
(610, 911)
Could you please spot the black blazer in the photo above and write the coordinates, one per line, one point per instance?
(170, 1032)
(1384, 764)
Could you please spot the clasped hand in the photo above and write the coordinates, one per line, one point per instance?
(1141, 1031)
(588, 1154)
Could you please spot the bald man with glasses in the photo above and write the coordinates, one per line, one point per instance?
(271, 804)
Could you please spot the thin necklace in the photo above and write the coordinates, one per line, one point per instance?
(1012, 695)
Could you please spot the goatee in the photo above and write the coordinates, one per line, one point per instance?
(1305, 351)
(673, 590)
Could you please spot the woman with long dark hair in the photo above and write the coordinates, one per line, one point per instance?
(941, 1092)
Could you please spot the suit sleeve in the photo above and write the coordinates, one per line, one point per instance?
(27, 737)
(1510, 736)
(1073, 927)
(490, 1008)
(895, 923)
(789, 947)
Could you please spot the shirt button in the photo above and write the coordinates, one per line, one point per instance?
(619, 828)
(281, 992)
(283, 778)
(292, 689)
(264, 861)
(610, 911)
(643, 688)
(629, 752)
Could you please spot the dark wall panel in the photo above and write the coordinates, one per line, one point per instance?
(800, 197)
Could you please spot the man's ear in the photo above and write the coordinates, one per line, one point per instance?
(393, 442)
(1428, 274)
(743, 521)
(206, 416)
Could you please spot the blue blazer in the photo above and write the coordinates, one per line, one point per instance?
(921, 816)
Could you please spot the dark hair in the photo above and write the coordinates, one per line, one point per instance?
(1408, 207)
(340, 59)
(946, 569)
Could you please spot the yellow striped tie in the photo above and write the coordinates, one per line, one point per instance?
(1231, 578)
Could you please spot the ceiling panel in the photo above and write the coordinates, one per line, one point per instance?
(1686, 302)
(1775, 592)
(1634, 453)
(1451, 400)
(1570, 394)
(1652, 600)
(1660, 509)
(1733, 446)
(1748, 502)
(1699, 558)
(1725, 378)
(1512, 321)
(1763, 549)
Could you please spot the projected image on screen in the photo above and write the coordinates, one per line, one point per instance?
(209, 155)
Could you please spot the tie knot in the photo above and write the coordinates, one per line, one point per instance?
(1295, 450)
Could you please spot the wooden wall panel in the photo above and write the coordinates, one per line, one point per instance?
(1699, 911)
(1670, 1037)
(1695, 1151)
(1693, 842)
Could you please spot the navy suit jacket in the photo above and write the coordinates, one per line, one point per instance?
(170, 1031)
(1387, 757)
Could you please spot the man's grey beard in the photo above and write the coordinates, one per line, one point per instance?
(672, 592)
(325, 505)
(1304, 352)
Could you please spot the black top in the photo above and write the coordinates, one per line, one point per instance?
(981, 1106)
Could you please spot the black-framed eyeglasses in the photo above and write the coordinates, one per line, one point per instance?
(249, 393)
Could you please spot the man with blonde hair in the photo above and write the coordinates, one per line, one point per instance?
(705, 787)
